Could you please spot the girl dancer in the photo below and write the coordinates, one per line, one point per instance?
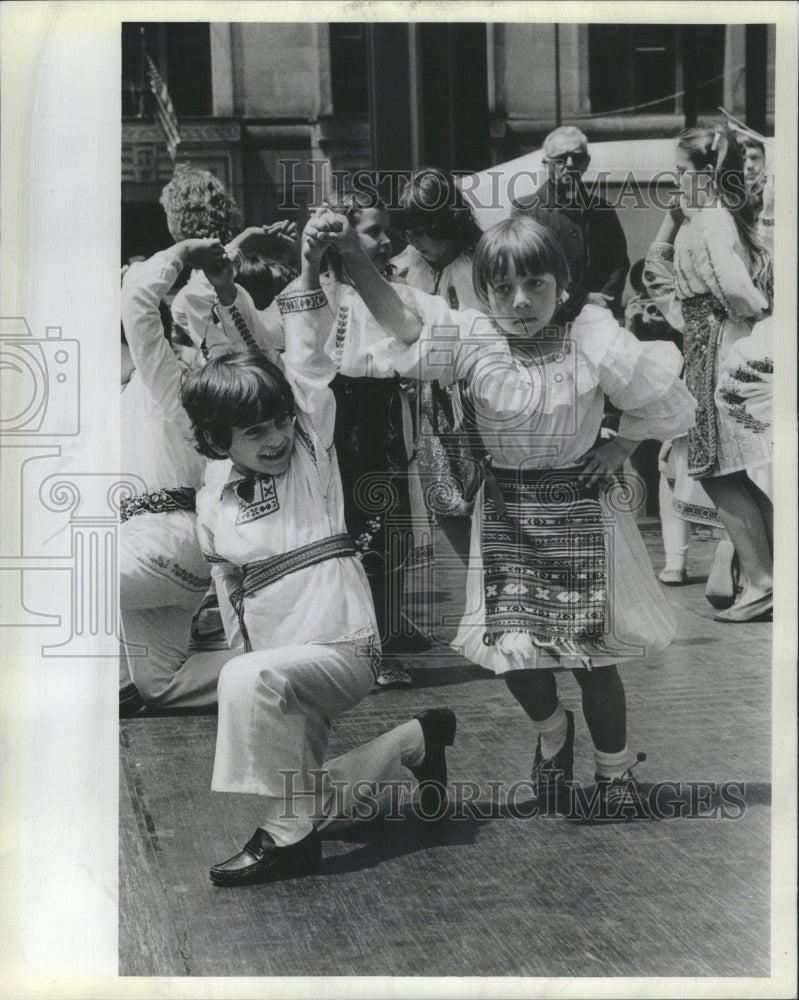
(722, 279)
(559, 576)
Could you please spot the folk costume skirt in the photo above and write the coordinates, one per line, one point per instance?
(559, 576)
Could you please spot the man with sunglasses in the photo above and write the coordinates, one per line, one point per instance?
(585, 225)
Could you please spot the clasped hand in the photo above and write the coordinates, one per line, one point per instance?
(324, 229)
(256, 238)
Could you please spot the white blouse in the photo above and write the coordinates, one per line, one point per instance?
(453, 282)
(548, 414)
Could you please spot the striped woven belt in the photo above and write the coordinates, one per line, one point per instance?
(180, 498)
(265, 572)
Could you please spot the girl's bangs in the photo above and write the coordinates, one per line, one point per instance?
(518, 253)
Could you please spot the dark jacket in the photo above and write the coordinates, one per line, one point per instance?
(591, 237)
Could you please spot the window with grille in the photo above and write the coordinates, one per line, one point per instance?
(643, 66)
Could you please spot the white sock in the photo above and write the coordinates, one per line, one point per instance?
(411, 742)
(612, 765)
(553, 732)
(676, 558)
(287, 823)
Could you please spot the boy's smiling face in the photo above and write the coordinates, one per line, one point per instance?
(263, 448)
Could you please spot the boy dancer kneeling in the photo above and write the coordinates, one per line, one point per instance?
(276, 537)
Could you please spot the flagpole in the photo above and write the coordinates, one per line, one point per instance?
(141, 72)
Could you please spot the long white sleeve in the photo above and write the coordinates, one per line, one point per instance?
(143, 287)
(195, 308)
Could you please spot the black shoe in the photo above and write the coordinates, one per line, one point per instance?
(552, 778)
(130, 701)
(622, 800)
(262, 860)
(438, 726)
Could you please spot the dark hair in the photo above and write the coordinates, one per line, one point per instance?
(238, 389)
(431, 201)
(197, 206)
(517, 245)
(637, 277)
(715, 150)
(255, 274)
(750, 142)
(283, 274)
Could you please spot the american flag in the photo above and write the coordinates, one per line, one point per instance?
(164, 110)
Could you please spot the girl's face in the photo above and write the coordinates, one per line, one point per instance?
(696, 186)
(523, 304)
(437, 253)
(263, 448)
(372, 227)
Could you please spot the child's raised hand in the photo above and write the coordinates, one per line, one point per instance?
(203, 253)
(283, 233)
(342, 236)
(221, 273)
(675, 210)
(316, 237)
(251, 240)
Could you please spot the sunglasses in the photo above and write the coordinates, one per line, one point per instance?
(563, 158)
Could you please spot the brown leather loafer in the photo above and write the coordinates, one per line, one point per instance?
(262, 861)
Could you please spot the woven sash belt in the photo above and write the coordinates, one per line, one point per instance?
(180, 498)
(265, 572)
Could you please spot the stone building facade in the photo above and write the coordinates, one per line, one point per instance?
(274, 108)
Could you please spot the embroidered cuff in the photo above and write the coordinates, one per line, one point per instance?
(240, 323)
(661, 251)
(300, 300)
(236, 256)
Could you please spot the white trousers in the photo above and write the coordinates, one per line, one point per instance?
(276, 709)
(156, 658)
(157, 612)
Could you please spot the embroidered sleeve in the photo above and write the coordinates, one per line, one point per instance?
(307, 323)
(658, 279)
(298, 300)
(244, 326)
